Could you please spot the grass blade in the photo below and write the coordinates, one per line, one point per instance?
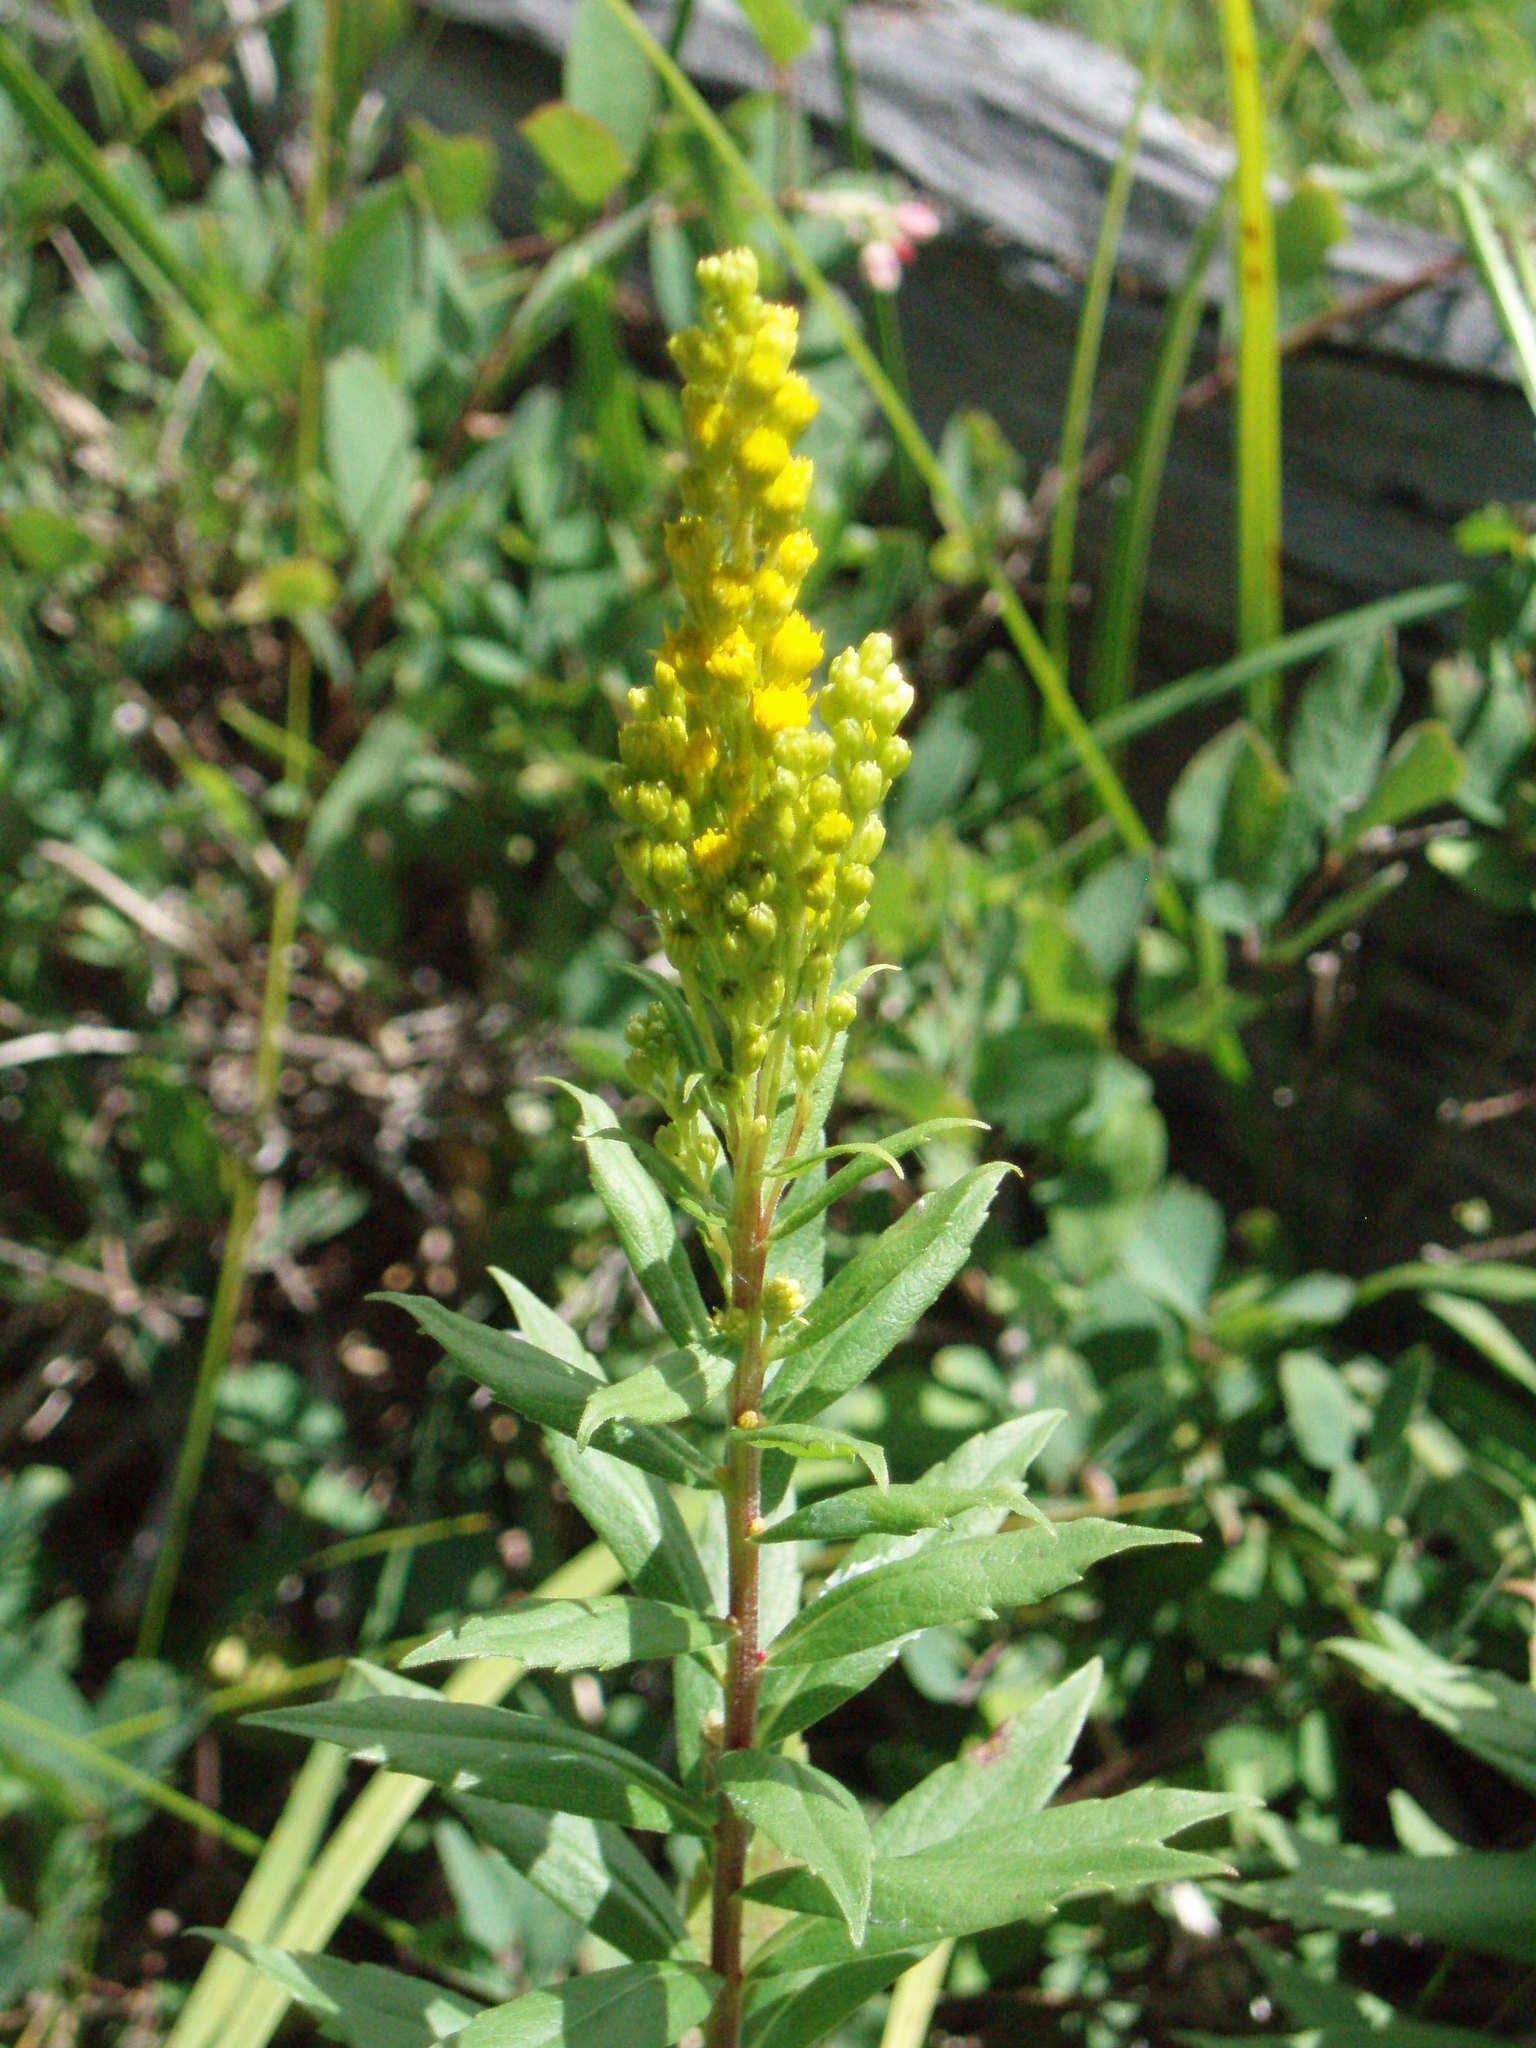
(113, 208)
(1517, 315)
(1258, 360)
(1123, 587)
(252, 2009)
(1085, 359)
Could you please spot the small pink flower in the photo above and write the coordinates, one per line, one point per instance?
(918, 221)
(880, 263)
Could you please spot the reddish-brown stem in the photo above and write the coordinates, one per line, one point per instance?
(743, 1502)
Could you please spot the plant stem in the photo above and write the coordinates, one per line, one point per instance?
(750, 1222)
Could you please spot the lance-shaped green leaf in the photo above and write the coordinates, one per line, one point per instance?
(810, 1817)
(501, 1755)
(1014, 1772)
(361, 2004)
(878, 1296)
(893, 1511)
(681, 1384)
(813, 1440)
(809, 2013)
(641, 2005)
(643, 1221)
(866, 1159)
(547, 1389)
(638, 1519)
(589, 1869)
(990, 1876)
(795, 1696)
(1487, 1712)
(577, 1635)
(1478, 1899)
(970, 1578)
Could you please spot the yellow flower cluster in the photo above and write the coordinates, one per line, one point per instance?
(752, 799)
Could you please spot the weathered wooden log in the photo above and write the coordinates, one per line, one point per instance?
(1394, 426)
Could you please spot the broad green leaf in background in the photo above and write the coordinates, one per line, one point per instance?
(1480, 1899)
(643, 1221)
(959, 1579)
(780, 27)
(546, 1389)
(641, 2005)
(577, 151)
(808, 1816)
(500, 1755)
(1423, 770)
(1342, 724)
(1487, 1712)
(878, 1296)
(587, 1867)
(1325, 1416)
(459, 171)
(370, 449)
(576, 1635)
(607, 77)
(361, 2003)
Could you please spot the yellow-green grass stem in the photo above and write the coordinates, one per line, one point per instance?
(1258, 359)
(1086, 349)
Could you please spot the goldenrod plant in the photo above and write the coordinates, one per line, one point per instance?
(751, 797)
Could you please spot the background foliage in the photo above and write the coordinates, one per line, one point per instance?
(329, 544)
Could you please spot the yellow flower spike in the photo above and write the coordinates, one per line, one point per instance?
(751, 802)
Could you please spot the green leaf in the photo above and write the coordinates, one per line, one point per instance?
(1337, 2015)
(638, 1519)
(546, 1389)
(1035, 1076)
(1306, 228)
(643, 1222)
(590, 1869)
(794, 1215)
(44, 540)
(642, 2005)
(1486, 1712)
(1174, 1253)
(807, 1815)
(576, 1635)
(1479, 1899)
(499, 1754)
(370, 449)
(1017, 1770)
(607, 77)
(878, 1296)
(577, 151)
(989, 1876)
(1340, 731)
(287, 590)
(780, 27)
(1487, 1333)
(1482, 1279)
(359, 2003)
(458, 171)
(1325, 1417)
(892, 1511)
(962, 1579)
(814, 1440)
(674, 1387)
(1424, 769)
(810, 2013)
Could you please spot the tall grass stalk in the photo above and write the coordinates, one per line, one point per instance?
(1086, 350)
(1258, 359)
